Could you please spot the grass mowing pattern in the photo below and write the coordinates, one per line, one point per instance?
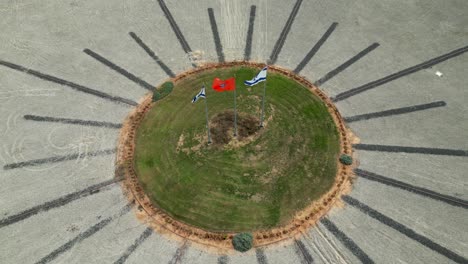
(257, 186)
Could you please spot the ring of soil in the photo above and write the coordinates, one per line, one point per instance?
(153, 141)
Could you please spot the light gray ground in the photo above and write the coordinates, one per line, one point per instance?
(50, 36)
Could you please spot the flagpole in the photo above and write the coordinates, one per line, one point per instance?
(235, 111)
(263, 104)
(206, 112)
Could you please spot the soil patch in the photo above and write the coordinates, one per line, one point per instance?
(222, 127)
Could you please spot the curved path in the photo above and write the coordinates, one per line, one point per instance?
(70, 71)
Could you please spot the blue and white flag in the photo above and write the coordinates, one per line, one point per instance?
(261, 77)
(201, 94)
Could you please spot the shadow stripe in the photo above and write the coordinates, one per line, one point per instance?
(315, 48)
(63, 82)
(178, 33)
(419, 150)
(223, 259)
(396, 111)
(346, 64)
(179, 254)
(151, 53)
(411, 188)
(303, 251)
(346, 241)
(56, 159)
(261, 258)
(397, 75)
(248, 41)
(57, 202)
(72, 121)
(89, 232)
(217, 40)
(284, 34)
(175, 27)
(148, 231)
(404, 230)
(119, 69)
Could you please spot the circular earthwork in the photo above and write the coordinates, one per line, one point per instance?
(274, 181)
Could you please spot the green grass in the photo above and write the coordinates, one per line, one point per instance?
(257, 186)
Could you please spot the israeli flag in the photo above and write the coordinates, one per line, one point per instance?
(261, 77)
(201, 94)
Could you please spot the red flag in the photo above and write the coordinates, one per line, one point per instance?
(224, 85)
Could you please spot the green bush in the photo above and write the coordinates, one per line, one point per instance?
(242, 242)
(163, 91)
(346, 159)
(156, 95)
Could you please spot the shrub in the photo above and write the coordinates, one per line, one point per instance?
(346, 159)
(163, 91)
(242, 242)
(156, 95)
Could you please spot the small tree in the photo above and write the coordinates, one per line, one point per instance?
(346, 159)
(242, 242)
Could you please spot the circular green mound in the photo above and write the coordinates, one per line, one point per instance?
(257, 183)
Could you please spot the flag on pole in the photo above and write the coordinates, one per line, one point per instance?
(224, 85)
(200, 94)
(261, 77)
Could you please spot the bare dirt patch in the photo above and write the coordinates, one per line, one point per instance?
(221, 127)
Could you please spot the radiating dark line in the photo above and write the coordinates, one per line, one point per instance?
(151, 53)
(397, 75)
(315, 48)
(148, 231)
(72, 121)
(404, 230)
(419, 150)
(396, 111)
(223, 259)
(175, 27)
(346, 241)
(179, 254)
(414, 189)
(248, 42)
(119, 69)
(261, 258)
(346, 64)
(284, 34)
(217, 40)
(57, 202)
(55, 159)
(303, 251)
(82, 236)
(72, 85)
